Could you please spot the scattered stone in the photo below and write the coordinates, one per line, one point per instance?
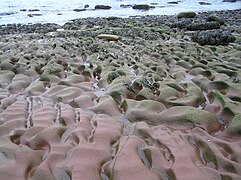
(204, 3)
(33, 10)
(7, 13)
(108, 37)
(203, 26)
(214, 17)
(213, 37)
(79, 10)
(102, 7)
(188, 14)
(141, 7)
(23, 10)
(125, 5)
(173, 2)
(86, 6)
(32, 15)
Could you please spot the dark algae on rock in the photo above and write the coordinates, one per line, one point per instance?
(213, 37)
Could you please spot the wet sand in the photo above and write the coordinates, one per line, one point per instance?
(151, 105)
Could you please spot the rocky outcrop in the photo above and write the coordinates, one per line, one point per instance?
(203, 26)
(213, 37)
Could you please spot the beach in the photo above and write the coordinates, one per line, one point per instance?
(62, 11)
(144, 97)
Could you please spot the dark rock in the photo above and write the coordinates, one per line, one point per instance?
(181, 24)
(141, 7)
(214, 17)
(86, 6)
(33, 10)
(229, 0)
(79, 10)
(31, 28)
(203, 26)
(213, 37)
(173, 2)
(32, 15)
(188, 14)
(204, 3)
(102, 7)
(125, 5)
(23, 9)
(7, 13)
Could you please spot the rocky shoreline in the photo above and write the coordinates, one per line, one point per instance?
(150, 97)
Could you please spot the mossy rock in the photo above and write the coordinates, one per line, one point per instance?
(194, 97)
(208, 155)
(145, 93)
(234, 129)
(144, 105)
(167, 93)
(188, 115)
(53, 69)
(44, 78)
(184, 64)
(214, 17)
(5, 65)
(112, 75)
(226, 104)
(145, 110)
(187, 14)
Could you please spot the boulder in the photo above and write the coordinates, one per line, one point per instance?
(102, 7)
(203, 26)
(141, 7)
(213, 37)
(214, 17)
(188, 14)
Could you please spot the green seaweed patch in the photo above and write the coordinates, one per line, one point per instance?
(186, 115)
(53, 70)
(226, 103)
(235, 127)
(44, 77)
(207, 155)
